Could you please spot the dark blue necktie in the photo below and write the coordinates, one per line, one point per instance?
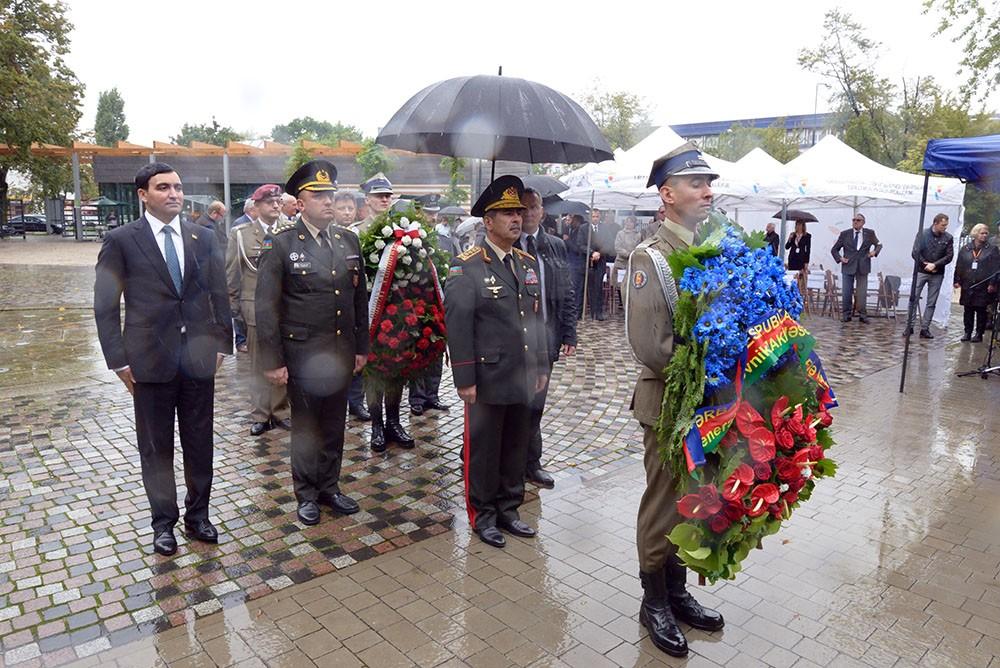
(170, 252)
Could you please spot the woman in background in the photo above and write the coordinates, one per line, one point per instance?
(977, 263)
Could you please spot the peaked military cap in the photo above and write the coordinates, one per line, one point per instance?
(684, 160)
(315, 176)
(377, 184)
(430, 202)
(265, 191)
(504, 193)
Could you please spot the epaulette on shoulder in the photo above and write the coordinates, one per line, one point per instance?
(283, 226)
(473, 252)
(524, 254)
(342, 228)
(240, 226)
(645, 243)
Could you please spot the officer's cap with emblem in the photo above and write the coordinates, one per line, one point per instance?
(504, 193)
(685, 160)
(314, 176)
(265, 191)
(430, 202)
(377, 185)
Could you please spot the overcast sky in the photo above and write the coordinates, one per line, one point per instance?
(254, 64)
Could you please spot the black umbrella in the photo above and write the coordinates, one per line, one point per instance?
(496, 118)
(797, 215)
(453, 211)
(559, 206)
(547, 186)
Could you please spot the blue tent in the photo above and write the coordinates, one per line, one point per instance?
(975, 160)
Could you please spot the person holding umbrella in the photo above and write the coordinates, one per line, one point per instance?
(799, 245)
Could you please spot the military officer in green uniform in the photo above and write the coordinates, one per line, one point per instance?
(378, 197)
(269, 403)
(499, 360)
(684, 181)
(312, 329)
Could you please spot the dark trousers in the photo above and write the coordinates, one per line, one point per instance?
(192, 400)
(855, 285)
(425, 390)
(974, 315)
(356, 393)
(240, 330)
(391, 394)
(536, 408)
(577, 270)
(318, 416)
(494, 443)
(595, 287)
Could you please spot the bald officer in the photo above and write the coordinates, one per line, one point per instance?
(499, 360)
(684, 181)
(312, 328)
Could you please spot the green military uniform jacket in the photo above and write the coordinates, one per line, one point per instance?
(649, 321)
(312, 304)
(246, 242)
(496, 336)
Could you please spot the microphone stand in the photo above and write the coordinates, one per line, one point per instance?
(987, 368)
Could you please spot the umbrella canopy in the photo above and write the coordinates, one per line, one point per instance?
(797, 215)
(561, 207)
(496, 118)
(453, 211)
(546, 185)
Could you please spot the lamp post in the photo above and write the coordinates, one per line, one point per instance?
(816, 109)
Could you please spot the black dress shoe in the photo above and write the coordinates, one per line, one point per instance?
(436, 405)
(164, 543)
(284, 423)
(846, 318)
(258, 428)
(978, 338)
(492, 536)
(308, 512)
(360, 412)
(202, 530)
(601, 316)
(967, 337)
(339, 503)
(689, 611)
(926, 334)
(377, 443)
(908, 331)
(416, 409)
(863, 318)
(540, 477)
(394, 433)
(517, 528)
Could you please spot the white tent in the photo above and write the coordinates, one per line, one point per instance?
(832, 181)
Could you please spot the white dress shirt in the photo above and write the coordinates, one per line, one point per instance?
(157, 226)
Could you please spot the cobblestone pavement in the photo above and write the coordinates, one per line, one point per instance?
(77, 577)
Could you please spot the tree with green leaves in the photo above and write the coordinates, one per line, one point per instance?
(976, 25)
(454, 193)
(621, 116)
(110, 125)
(739, 140)
(40, 93)
(307, 127)
(210, 134)
(300, 156)
(373, 159)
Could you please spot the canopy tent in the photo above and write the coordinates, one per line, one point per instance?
(974, 160)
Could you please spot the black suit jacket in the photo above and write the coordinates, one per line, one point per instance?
(495, 332)
(557, 285)
(151, 343)
(858, 261)
(602, 241)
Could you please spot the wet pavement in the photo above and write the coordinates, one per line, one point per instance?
(894, 562)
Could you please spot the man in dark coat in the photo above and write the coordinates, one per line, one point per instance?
(177, 329)
(859, 245)
(599, 238)
(932, 250)
(558, 314)
(499, 360)
(312, 330)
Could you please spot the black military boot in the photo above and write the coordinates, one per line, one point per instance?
(656, 616)
(378, 435)
(394, 432)
(683, 605)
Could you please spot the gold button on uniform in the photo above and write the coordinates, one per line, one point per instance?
(338, 332)
(338, 311)
(525, 345)
(336, 292)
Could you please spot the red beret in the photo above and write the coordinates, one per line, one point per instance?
(265, 191)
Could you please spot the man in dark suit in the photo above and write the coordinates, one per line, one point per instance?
(312, 332)
(558, 315)
(859, 246)
(177, 328)
(493, 311)
(599, 238)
